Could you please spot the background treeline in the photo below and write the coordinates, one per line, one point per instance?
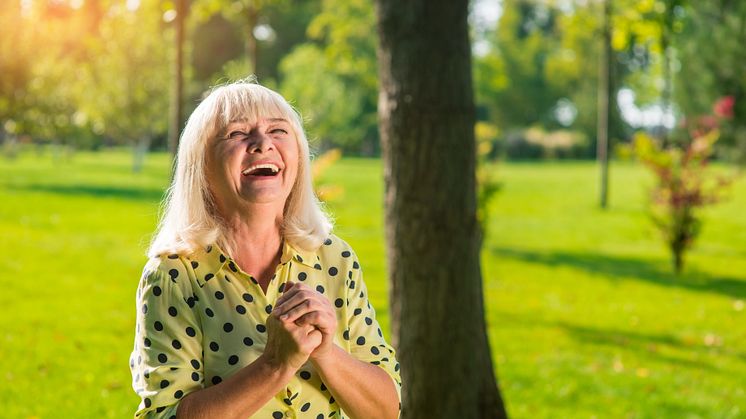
(93, 73)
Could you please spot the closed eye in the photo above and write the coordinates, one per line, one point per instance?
(238, 135)
(278, 131)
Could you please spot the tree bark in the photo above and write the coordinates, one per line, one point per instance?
(427, 116)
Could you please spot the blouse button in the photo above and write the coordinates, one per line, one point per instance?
(288, 414)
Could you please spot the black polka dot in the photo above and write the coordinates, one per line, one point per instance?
(173, 273)
(346, 254)
(173, 256)
(300, 259)
(320, 416)
(360, 340)
(331, 400)
(178, 394)
(233, 360)
(396, 367)
(219, 295)
(158, 326)
(241, 309)
(228, 327)
(164, 383)
(232, 266)
(194, 264)
(346, 334)
(222, 258)
(190, 302)
(214, 346)
(209, 277)
(216, 379)
(305, 407)
(248, 341)
(261, 328)
(195, 364)
(339, 302)
(209, 248)
(305, 375)
(160, 409)
(379, 332)
(190, 332)
(302, 276)
(268, 309)
(355, 265)
(349, 274)
(172, 311)
(147, 402)
(328, 242)
(144, 309)
(317, 267)
(333, 271)
(176, 344)
(357, 311)
(287, 401)
(320, 289)
(322, 387)
(282, 287)
(162, 358)
(157, 290)
(209, 312)
(277, 415)
(248, 298)
(352, 285)
(374, 350)
(146, 342)
(368, 321)
(195, 376)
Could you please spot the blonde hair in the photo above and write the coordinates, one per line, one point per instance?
(189, 219)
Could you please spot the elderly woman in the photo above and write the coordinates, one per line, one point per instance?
(249, 306)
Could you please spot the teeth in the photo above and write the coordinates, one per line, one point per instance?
(270, 166)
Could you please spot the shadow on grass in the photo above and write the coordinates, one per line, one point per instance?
(627, 268)
(133, 194)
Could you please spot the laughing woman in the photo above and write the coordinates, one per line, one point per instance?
(249, 306)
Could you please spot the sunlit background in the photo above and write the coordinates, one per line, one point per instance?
(632, 309)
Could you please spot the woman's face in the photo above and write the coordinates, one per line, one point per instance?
(253, 163)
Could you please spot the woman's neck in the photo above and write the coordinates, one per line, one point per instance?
(257, 239)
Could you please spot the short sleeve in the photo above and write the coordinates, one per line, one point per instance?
(166, 362)
(366, 338)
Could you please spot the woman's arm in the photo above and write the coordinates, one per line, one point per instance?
(244, 393)
(362, 389)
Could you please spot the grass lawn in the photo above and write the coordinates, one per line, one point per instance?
(585, 319)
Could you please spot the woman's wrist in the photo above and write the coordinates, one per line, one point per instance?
(277, 367)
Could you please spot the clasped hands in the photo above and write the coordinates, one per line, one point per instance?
(301, 326)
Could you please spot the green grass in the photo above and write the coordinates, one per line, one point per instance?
(585, 319)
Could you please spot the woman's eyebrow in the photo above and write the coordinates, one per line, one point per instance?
(278, 120)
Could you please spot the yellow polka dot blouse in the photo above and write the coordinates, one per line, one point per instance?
(201, 319)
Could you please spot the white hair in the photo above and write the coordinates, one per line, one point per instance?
(189, 219)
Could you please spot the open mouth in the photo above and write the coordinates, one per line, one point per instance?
(265, 169)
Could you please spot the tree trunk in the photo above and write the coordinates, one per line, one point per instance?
(427, 116)
(252, 47)
(177, 79)
(139, 151)
(604, 96)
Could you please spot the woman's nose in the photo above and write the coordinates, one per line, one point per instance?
(260, 143)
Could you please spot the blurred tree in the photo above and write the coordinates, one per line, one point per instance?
(17, 45)
(130, 78)
(427, 121)
(177, 77)
(709, 57)
(333, 77)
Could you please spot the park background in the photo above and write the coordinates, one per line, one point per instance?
(585, 314)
